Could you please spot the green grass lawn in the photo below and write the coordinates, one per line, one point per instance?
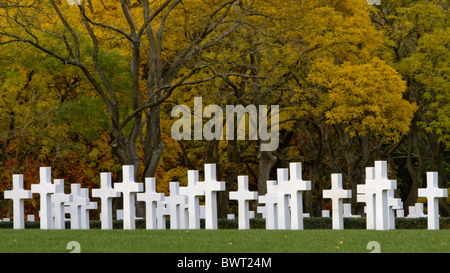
(224, 241)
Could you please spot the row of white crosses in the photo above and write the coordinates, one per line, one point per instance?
(54, 203)
(378, 195)
(283, 206)
(283, 200)
(182, 204)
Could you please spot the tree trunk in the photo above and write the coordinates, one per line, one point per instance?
(266, 162)
(231, 174)
(417, 169)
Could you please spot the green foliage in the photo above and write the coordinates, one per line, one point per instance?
(85, 116)
(429, 66)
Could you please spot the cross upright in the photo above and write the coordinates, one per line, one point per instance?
(106, 193)
(161, 212)
(337, 195)
(74, 207)
(243, 196)
(174, 200)
(211, 186)
(284, 217)
(152, 201)
(193, 192)
(366, 195)
(394, 204)
(270, 199)
(18, 195)
(432, 192)
(85, 209)
(294, 187)
(377, 187)
(45, 188)
(129, 188)
(59, 199)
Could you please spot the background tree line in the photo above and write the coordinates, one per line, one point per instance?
(88, 88)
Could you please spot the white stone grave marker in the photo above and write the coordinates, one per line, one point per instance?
(85, 209)
(193, 192)
(18, 195)
(326, 213)
(161, 212)
(367, 195)
(59, 199)
(184, 215)
(337, 195)
(376, 195)
(348, 211)
(243, 196)
(129, 188)
(416, 211)
(293, 187)
(202, 212)
(394, 204)
(174, 200)
(119, 214)
(45, 189)
(211, 186)
(432, 192)
(261, 210)
(152, 201)
(106, 193)
(270, 199)
(74, 206)
(251, 214)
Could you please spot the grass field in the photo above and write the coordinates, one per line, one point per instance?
(224, 241)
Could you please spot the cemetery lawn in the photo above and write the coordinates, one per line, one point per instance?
(224, 241)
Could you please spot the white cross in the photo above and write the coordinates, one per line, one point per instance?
(106, 193)
(270, 199)
(202, 212)
(193, 192)
(184, 215)
(337, 195)
(59, 198)
(243, 196)
(129, 188)
(376, 195)
(45, 189)
(174, 200)
(85, 209)
(394, 204)
(367, 195)
(416, 211)
(293, 187)
(161, 212)
(211, 186)
(284, 220)
(152, 201)
(348, 211)
(261, 210)
(74, 207)
(18, 194)
(432, 192)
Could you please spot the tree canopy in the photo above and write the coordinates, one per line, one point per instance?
(87, 88)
